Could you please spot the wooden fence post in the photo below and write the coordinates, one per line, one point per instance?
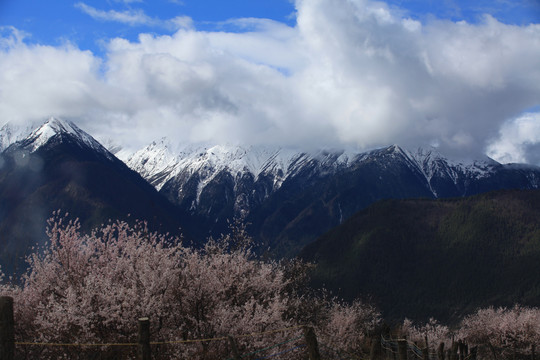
(312, 345)
(440, 351)
(425, 353)
(376, 348)
(453, 351)
(402, 349)
(7, 329)
(474, 352)
(462, 347)
(144, 352)
(234, 348)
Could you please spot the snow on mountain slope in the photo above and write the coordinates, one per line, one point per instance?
(161, 161)
(55, 128)
(11, 133)
(153, 160)
(433, 162)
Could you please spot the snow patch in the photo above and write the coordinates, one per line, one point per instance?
(53, 127)
(11, 133)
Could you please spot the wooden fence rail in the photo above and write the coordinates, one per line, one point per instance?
(401, 349)
(144, 349)
(382, 349)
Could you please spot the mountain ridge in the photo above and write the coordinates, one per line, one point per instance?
(288, 196)
(160, 163)
(291, 196)
(164, 156)
(233, 181)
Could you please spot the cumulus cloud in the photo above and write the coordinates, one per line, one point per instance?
(36, 80)
(352, 72)
(518, 140)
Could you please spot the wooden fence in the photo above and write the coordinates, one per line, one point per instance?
(401, 349)
(382, 348)
(8, 345)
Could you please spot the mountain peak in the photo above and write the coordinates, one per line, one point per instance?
(60, 125)
(52, 127)
(55, 128)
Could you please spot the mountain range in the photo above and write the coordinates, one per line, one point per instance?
(291, 197)
(287, 196)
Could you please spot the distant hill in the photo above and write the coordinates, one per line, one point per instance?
(440, 258)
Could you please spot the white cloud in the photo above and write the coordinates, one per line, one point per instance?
(518, 140)
(39, 80)
(350, 72)
(133, 17)
(11, 36)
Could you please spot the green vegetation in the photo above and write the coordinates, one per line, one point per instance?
(441, 258)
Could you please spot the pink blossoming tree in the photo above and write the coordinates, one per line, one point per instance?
(91, 289)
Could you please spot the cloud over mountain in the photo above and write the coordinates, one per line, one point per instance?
(353, 72)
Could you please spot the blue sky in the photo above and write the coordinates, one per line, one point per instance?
(462, 75)
(54, 22)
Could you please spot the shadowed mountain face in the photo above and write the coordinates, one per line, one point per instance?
(305, 207)
(290, 197)
(60, 167)
(440, 258)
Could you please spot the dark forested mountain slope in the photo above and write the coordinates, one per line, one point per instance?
(303, 208)
(440, 258)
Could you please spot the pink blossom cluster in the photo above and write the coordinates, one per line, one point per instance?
(503, 331)
(497, 332)
(434, 332)
(92, 288)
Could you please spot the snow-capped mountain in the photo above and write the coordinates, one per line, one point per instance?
(59, 166)
(292, 196)
(58, 130)
(176, 170)
(289, 196)
(252, 173)
(159, 162)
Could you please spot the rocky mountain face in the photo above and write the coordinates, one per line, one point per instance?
(290, 197)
